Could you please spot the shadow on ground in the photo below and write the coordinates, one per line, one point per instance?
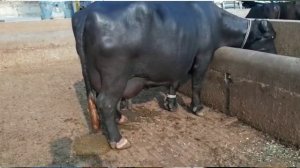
(82, 99)
(147, 95)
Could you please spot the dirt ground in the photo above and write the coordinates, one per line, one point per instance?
(44, 122)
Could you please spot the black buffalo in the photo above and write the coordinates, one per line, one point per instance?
(282, 10)
(127, 46)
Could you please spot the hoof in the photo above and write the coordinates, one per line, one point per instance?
(197, 110)
(170, 107)
(123, 119)
(166, 106)
(122, 144)
(199, 113)
(173, 109)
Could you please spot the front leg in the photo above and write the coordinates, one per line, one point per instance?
(198, 73)
(196, 104)
(171, 100)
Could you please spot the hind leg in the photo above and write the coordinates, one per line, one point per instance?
(129, 104)
(171, 100)
(106, 103)
(114, 78)
(133, 87)
(125, 103)
(121, 118)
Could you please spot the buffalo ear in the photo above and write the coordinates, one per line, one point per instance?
(263, 26)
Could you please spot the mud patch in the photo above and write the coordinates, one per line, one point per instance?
(140, 114)
(92, 144)
(128, 127)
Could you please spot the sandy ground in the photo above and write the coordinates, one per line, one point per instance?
(44, 122)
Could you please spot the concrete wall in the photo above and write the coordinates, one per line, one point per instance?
(288, 37)
(265, 90)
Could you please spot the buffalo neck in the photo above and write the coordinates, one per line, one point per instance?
(233, 30)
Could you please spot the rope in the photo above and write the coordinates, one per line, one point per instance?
(247, 34)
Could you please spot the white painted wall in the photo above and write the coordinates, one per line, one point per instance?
(11, 11)
(19, 8)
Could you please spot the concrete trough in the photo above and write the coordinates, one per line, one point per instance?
(287, 37)
(264, 90)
